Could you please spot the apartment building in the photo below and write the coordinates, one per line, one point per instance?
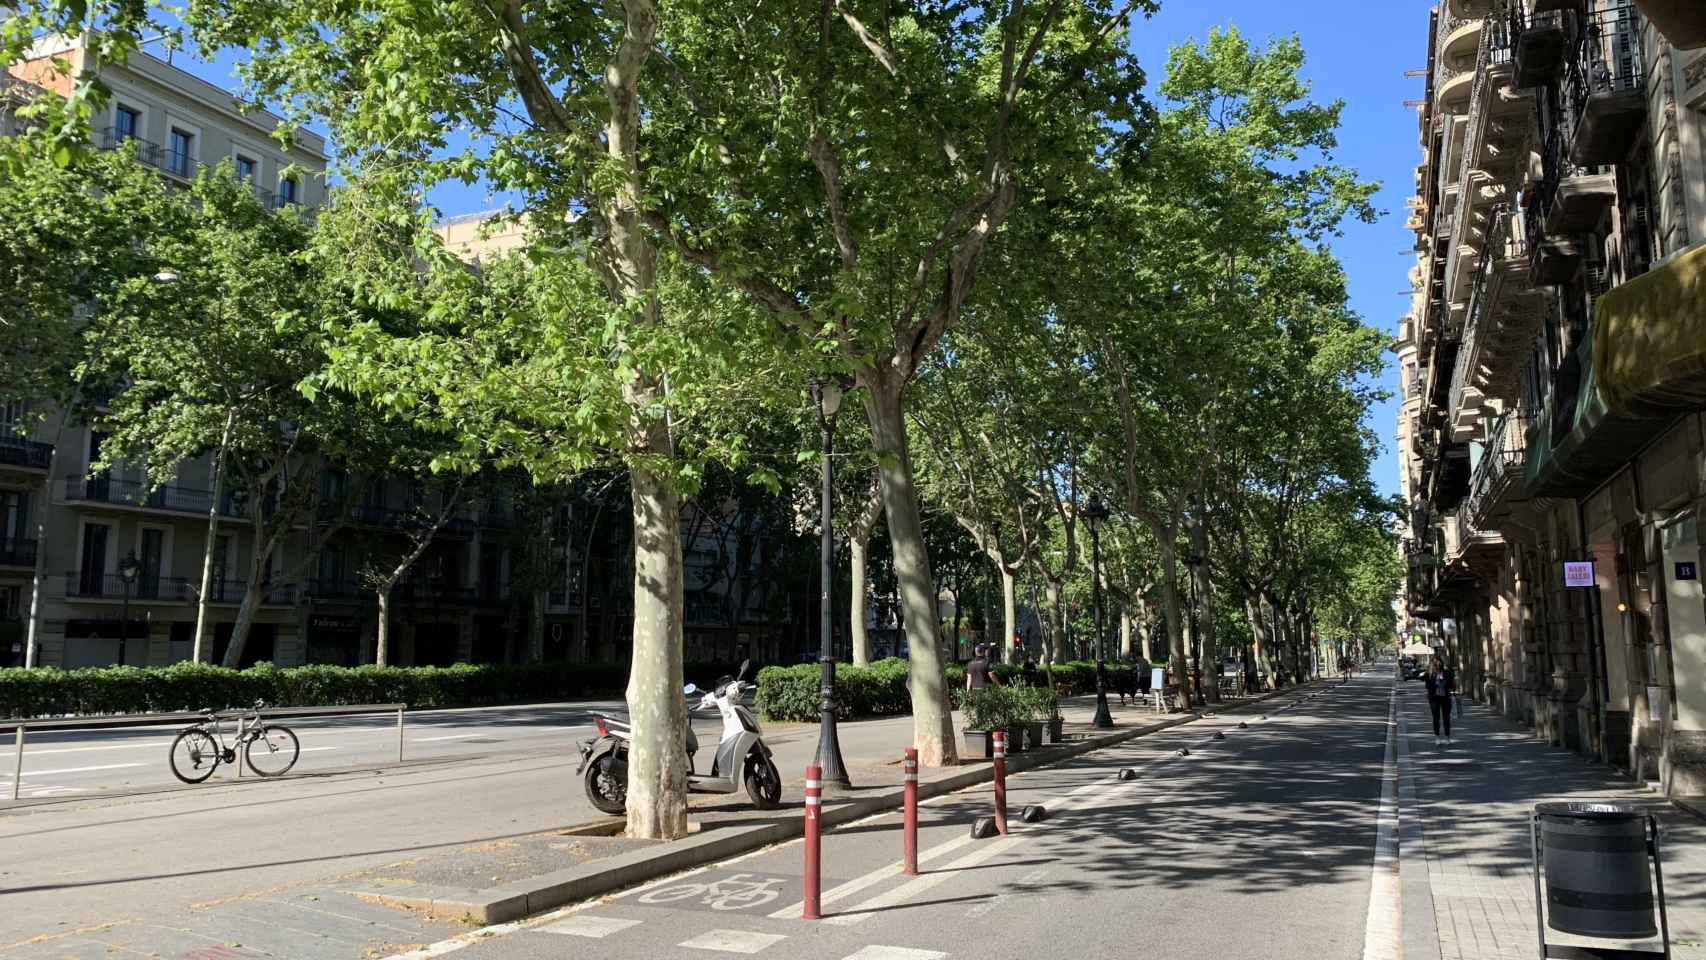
(1550, 433)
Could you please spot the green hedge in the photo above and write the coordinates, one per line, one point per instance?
(46, 692)
(791, 693)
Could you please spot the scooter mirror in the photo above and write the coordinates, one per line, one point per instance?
(691, 689)
(745, 668)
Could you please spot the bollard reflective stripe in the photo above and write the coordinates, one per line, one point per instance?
(812, 801)
(814, 784)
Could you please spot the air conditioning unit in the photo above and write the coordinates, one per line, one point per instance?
(1596, 271)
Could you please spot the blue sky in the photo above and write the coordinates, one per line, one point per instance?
(1358, 51)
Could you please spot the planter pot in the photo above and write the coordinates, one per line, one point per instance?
(1056, 730)
(1015, 740)
(979, 744)
(1033, 735)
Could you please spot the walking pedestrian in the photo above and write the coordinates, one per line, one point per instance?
(978, 674)
(1442, 685)
(1143, 669)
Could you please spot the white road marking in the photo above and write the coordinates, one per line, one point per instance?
(873, 878)
(875, 952)
(1381, 936)
(55, 791)
(733, 941)
(104, 766)
(30, 751)
(453, 736)
(456, 943)
(909, 891)
(595, 927)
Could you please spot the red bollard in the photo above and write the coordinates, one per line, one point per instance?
(814, 814)
(909, 774)
(1000, 781)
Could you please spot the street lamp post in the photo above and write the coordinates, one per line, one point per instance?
(128, 569)
(1194, 560)
(826, 393)
(1094, 514)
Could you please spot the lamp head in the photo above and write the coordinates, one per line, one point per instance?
(128, 568)
(1095, 512)
(826, 393)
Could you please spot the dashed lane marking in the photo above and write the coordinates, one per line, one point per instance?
(588, 926)
(733, 941)
(104, 766)
(874, 952)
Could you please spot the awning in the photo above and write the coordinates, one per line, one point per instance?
(1578, 441)
(1649, 338)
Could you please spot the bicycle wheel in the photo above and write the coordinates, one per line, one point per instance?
(194, 755)
(273, 751)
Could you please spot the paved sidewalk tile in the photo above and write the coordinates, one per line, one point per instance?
(1474, 800)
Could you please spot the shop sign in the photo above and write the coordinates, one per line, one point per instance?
(1578, 574)
(1687, 570)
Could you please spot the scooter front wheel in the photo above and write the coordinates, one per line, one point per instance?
(605, 787)
(763, 782)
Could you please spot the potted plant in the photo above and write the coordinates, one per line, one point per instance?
(1048, 707)
(1017, 717)
(1029, 703)
(985, 711)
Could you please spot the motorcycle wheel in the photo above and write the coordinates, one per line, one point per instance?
(607, 791)
(763, 783)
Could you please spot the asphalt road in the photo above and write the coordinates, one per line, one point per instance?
(92, 762)
(1258, 846)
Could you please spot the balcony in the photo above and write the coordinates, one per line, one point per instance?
(1504, 310)
(181, 165)
(337, 589)
(17, 552)
(1496, 481)
(399, 518)
(1606, 83)
(427, 593)
(85, 585)
(1682, 22)
(232, 592)
(28, 454)
(1649, 340)
(1540, 41)
(135, 493)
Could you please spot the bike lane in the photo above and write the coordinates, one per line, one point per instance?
(1248, 824)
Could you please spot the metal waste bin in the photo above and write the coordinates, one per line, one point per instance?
(1595, 859)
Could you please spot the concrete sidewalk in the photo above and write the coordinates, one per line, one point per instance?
(1470, 804)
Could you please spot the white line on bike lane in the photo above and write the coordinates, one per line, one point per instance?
(104, 766)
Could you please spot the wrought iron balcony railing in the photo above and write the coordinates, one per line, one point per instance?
(17, 552)
(89, 585)
(17, 452)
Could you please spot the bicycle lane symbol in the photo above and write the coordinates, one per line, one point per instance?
(733, 893)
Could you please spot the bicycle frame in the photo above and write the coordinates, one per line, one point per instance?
(249, 727)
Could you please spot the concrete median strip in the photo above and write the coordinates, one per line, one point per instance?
(540, 893)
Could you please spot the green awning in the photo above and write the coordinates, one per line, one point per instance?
(1649, 339)
(1571, 458)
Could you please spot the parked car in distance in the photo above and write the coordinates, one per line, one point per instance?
(1412, 669)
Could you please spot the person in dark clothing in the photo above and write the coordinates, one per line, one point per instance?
(1442, 685)
(1029, 671)
(978, 674)
(1144, 676)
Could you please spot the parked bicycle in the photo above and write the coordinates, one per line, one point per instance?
(269, 749)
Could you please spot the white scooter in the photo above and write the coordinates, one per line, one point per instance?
(743, 759)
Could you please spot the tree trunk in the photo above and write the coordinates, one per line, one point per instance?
(856, 631)
(1260, 644)
(258, 564)
(657, 761)
(932, 721)
(196, 648)
(536, 629)
(1206, 627)
(382, 634)
(1125, 634)
(1010, 609)
(1179, 662)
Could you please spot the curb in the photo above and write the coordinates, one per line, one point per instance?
(660, 858)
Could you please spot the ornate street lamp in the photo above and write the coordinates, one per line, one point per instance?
(1095, 514)
(1195, 560)
(128, 569)
(826, 393)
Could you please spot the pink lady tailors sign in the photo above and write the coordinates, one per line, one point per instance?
(1578, 574)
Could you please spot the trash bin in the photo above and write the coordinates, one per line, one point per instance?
(1595, 857)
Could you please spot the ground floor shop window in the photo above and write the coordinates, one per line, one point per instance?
(257, 648)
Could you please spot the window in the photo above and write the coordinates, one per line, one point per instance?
(126, 124)
(94, 567)
(11, 417)
(246, 168)
(287, 191)
(180, 152)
